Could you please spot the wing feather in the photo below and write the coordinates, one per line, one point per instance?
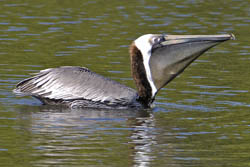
(70, 83)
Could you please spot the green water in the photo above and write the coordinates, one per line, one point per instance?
(202, 118)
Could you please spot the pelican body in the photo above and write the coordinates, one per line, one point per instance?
(155, 61)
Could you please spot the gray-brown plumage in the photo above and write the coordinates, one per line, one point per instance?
(72, 85)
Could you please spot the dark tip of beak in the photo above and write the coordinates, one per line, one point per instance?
(232, 37)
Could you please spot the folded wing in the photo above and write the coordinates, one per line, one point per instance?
(72, 83)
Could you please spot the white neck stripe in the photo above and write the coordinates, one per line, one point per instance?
(145, 47)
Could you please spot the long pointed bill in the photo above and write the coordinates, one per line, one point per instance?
(171, 56)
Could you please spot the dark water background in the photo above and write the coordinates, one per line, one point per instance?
(202, 118)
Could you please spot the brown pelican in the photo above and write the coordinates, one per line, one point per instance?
(155, 61)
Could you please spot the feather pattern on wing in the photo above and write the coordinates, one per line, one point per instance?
(71, 83)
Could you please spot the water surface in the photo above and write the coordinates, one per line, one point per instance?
(200, 119)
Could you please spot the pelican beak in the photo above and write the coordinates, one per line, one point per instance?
(173, 53)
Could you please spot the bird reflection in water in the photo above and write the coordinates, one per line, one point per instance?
(143, 138)
(61, 133)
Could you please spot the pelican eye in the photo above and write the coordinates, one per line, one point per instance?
(162, 39)
(158, 40)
